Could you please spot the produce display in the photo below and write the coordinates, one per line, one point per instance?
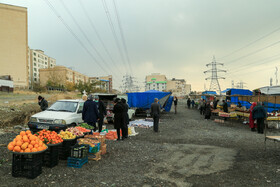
(49, 137)
(26, 142)
(87, 126)
(82, 129)
(67, 135)
(88, 141)
(75, 131)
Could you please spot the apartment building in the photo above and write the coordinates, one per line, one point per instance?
(61, 75)
(105, 83)
(14, 44)
(155, 81)
(38, 60)
(178, 87)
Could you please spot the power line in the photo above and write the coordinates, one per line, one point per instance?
(113, 30)
(98, 36)
(254, 52)
(73, 34)
(86, 37)
(122, 35)
(251, 43)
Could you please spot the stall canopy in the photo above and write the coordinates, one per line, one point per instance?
(238, 93)
(270, 90)
(145, 99)
(208, 93)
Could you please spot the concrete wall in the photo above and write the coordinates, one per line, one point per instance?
(14, 44)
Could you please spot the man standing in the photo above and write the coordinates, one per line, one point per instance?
(175, 104)
(189, 102)
(118, 118)
(43, 103)
(102, 112)
(259, 113)
(125, 117)
(225, 106)
(90, 112)
(155, 113)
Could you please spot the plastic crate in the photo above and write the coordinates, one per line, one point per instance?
(94, 156)
(76, 162)
(79, 151)
(65, 148)
(27, 165)
(51, 156)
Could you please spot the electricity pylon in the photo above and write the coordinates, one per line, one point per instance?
(214, 84)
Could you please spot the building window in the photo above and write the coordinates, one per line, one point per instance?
(45, 58)
(35, 79)
(34, 59)
(35, 64)
(46, 63)
(35, 74)
(35, 69)
(34, 54)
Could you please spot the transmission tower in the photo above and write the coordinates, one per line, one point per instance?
(128, 84)
(240, 84)
(276, 79)
(214, 84)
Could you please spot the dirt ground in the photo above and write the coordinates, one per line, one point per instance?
(188, 151)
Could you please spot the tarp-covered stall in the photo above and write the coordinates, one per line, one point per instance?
(239, 93)
(207, 95)
(145, 99)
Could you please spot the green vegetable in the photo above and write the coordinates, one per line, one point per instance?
(85, 125)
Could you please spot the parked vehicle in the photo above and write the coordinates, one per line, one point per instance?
(61, 115)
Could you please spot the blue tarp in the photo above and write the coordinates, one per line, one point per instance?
(208, 93)
(168, 105)
(145, 99)
(241, 92)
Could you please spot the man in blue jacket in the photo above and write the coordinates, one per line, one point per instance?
(260, 114)
(90, 113)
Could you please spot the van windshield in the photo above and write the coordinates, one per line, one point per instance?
(64, 106)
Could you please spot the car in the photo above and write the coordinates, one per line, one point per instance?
(61, 115)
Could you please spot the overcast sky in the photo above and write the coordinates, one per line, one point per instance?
(172, 37)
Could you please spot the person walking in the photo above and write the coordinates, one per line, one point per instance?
(225, 106)
(118, 111)
(259, 114)
(192, 102)
(207, 110)
(90, 113)
(251, 119)
(175, 104)
(126, 117)
(189, 102)
(201, 106)
(43, 103)
(155, 113)
(102, 112)
(215, 103)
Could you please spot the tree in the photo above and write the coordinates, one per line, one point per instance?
(38, 88)
(70, 86)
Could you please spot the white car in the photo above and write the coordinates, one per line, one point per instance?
(61, 115)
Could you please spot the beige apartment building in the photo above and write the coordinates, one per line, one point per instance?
(61, 75)
(178, 87)
(156, 81)
(38, 60)
(14, 44)
(106, 83)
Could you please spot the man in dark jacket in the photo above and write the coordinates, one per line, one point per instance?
(102, 112)
(118, 111)
(189, 102)
(90, 113)
(43, 103)
(155, 113)
(126, 117)
(260, 114)
(175, 104)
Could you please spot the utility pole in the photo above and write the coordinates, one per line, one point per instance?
(270, 81)
(214, 84)
(232, 84)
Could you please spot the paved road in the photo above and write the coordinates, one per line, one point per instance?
(188, 151)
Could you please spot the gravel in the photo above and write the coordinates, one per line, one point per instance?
(188, 151)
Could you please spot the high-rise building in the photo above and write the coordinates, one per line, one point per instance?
(14, 44)
(38, 60)
(61, 75)
(156, 81)
(178, 87)
(104, 83)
